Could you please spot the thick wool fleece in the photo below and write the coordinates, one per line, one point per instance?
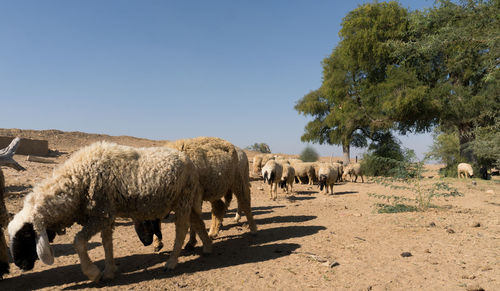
(106, 180)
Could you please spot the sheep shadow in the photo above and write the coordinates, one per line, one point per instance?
(236, 250)
(306, 192)
(298, 198)
(344, 193)
(18, 188)
(61, 250)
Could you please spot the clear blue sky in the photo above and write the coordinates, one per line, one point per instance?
(170, 69)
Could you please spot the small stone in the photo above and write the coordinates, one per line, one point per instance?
(490, 192)
(449, 230)
(406, 254)
(474, 183)
(476, 224)
(432, 224)
(427, 251)
(334, 264)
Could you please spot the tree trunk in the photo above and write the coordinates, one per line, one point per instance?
(346, 149)
(465, 136)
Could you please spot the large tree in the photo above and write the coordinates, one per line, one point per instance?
(454, 50)
(348, 107)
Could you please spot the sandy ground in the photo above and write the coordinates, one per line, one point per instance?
(306, 240)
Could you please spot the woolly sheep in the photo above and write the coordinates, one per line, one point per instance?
(353, 170)
(328, 175)
(99, 183)
(287, 177)
(216, 163)
(4, 219)
(465, 170)
(259, 161)
(304, 170)
(243, 166)
(272, 172)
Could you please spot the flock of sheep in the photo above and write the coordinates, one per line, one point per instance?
(103, 181)
(284, 172)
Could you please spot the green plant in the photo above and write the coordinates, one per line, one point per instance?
(409, 178)
(260, 147)
(309, 155)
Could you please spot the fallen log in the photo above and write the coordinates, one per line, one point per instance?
(39, 160)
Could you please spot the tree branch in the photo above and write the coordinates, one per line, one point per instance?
(7, 153)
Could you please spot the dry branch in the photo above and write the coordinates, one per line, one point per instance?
(7, 153)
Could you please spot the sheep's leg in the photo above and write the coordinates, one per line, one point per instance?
(362, 180)
(107, 243)
(244, 203)
(218, 209)
(157, 241)
(331, 189)
(181, 229)
(88, 268)
(4, 257)
(199, 227)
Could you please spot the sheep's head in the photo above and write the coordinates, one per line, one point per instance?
(145, 231)
(26, 245)
(322, 182)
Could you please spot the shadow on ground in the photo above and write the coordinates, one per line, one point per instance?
(228, 251)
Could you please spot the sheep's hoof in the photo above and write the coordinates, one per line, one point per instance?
(158, 247)
(109, 274)
(170, 265)
(93, 273)
(237, 217)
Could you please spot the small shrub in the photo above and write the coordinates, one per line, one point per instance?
(309, 155)
(260, 147)
(409, 178)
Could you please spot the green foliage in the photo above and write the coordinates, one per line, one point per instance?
(409, 179)
(385, 146)
(309, 155)
(446, 149)
(486, 146)
(259, 147)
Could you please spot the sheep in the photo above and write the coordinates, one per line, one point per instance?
(304, 170)
(4, 219)
(244, 171)
(259, 161)
(217, 166)
(99, 183)
(328, 175)
(272, 172)
(287, 177)
(353, 170)
(465, 170)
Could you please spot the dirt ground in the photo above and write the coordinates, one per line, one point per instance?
(306, 240)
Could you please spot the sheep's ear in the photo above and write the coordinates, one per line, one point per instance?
(43, 248)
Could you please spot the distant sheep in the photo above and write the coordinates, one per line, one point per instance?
(271, 172)
(353, 170)
(328, 175)
(99, 183)
(259, 161)
(287, 177)
(304, 170)
(465, 170)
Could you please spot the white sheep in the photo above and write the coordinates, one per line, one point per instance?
(259, 161)
(99, 183)
(353, 170)
(287, 177)
(465, 170)
(272, 172)
(328, 175)
(304, 170)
